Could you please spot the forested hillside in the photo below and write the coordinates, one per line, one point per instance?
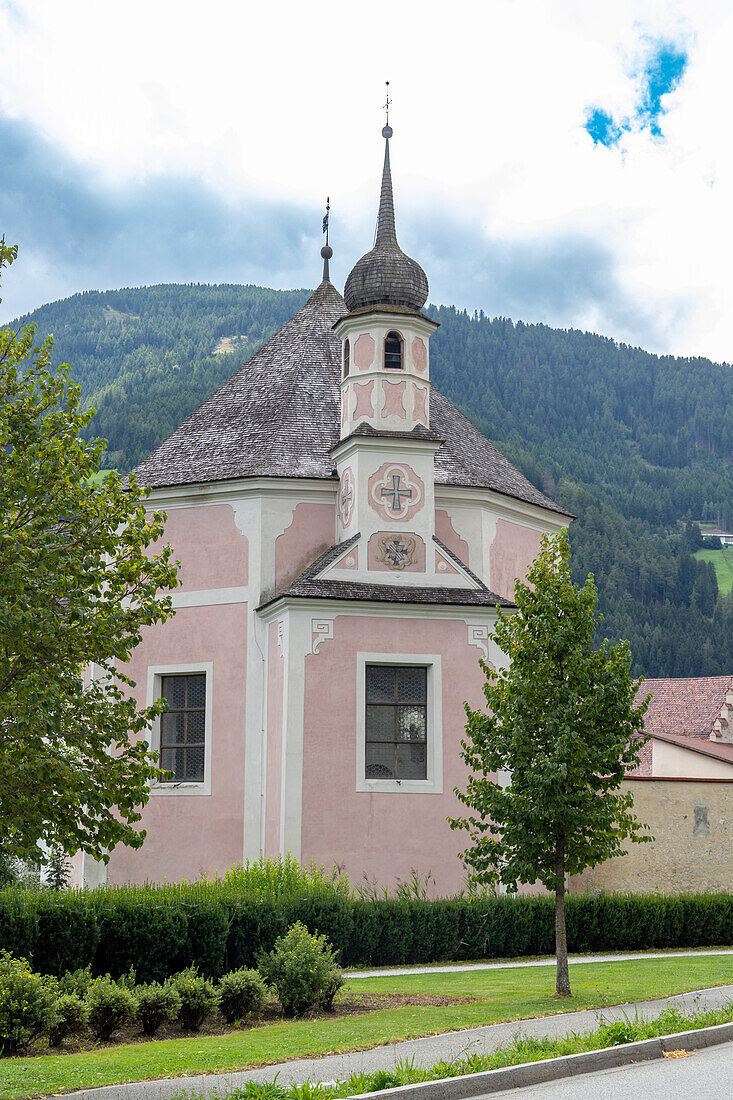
(634, 444)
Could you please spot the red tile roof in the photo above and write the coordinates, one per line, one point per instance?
(683, 711)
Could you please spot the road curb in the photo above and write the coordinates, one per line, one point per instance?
(554, 1069)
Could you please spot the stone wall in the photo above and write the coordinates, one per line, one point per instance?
(692, 824)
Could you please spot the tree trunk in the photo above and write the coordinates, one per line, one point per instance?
(562, 984)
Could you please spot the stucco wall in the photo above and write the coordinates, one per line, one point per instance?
(676, 760)
(692, 824)
(512, 552)
(383, 835)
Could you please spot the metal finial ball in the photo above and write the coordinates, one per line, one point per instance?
(327, 252)
(386, 131)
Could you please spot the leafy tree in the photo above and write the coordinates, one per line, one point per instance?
(562, 723)
(77, 585)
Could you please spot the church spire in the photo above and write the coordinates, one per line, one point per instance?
(326, 251)
(386, 276)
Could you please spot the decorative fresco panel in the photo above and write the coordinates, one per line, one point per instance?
(396, 551)
(396, 492)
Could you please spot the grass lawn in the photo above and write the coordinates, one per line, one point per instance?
(511, 994)
(723, 563)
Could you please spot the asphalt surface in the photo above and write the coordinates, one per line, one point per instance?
(702, 1075)
(424, 1052)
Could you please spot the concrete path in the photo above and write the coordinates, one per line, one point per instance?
(424, 1052)
(456, 968)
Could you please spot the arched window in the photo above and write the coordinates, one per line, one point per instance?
(393, 351)
(347, 358)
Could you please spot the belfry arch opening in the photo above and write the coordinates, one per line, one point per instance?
(393, 351)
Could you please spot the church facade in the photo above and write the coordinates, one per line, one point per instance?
(346, 537)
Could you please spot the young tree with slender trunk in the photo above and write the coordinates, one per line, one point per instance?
(562, 723)
(78, 583)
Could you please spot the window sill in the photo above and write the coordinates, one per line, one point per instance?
(181, 788)
(397, 786)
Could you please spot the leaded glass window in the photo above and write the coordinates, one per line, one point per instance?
(393, 351)
(396, 722)
(347, 358)
(183, 728)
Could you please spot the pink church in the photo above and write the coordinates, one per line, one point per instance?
(346, 537)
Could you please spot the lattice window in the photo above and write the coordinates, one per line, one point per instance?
(393, 351)
(183, 727)
(396, 722)
(347, 358)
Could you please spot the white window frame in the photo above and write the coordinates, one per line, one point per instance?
(154, 691)
(433, 784)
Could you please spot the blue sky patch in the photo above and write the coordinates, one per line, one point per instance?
(663, 70)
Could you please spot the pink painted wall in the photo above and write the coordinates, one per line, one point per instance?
(311, 531)
(512, 552)
(186, 835)
(212, 551)
(448, 535)
(275, 680)
(383, 835)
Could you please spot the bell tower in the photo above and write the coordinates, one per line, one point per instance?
(385, 458)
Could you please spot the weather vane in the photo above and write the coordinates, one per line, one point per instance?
(325, 219)
(387, 104)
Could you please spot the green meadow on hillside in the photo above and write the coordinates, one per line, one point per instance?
(723, 563)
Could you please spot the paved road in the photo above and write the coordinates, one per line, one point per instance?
(704, 1075)
(457, 968)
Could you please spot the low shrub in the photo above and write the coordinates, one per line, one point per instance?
(156, 1004)
(27, 1003)
(76, 981)
(199, 999)
(241, 993)
(301, 969)
(72, 1015)
(111, 1006)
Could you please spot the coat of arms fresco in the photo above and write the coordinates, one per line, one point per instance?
(396, 551)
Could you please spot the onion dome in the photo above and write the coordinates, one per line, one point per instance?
(386, 276)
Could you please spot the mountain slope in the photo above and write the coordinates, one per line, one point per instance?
(633, 443)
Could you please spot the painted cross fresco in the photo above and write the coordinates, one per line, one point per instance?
(396, 493)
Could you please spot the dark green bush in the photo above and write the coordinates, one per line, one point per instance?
(198, 997)
(111, 1006)
(220, 926)
(241, 992)
(156, 1004)
(302, 970)
(72, 1014)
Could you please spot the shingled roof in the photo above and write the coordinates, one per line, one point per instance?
(279, 416)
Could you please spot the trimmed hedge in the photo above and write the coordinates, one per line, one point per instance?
(161, 930)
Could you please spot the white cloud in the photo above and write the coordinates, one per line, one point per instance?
(281, 101)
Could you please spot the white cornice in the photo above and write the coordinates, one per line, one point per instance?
(378, 609)
(505, 507)
(318, 490)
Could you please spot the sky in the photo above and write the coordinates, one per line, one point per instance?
(553, 160)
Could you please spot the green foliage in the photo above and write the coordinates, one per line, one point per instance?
(156, 1004)
(241, 993)
(561, 721)
(27, 1003)
(284, 877)
(76, 981)
(72, 1016)
(302, 970)
(75, 770)
(372, 932)
(111, 1006)
(58, 870)
(199, 999)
